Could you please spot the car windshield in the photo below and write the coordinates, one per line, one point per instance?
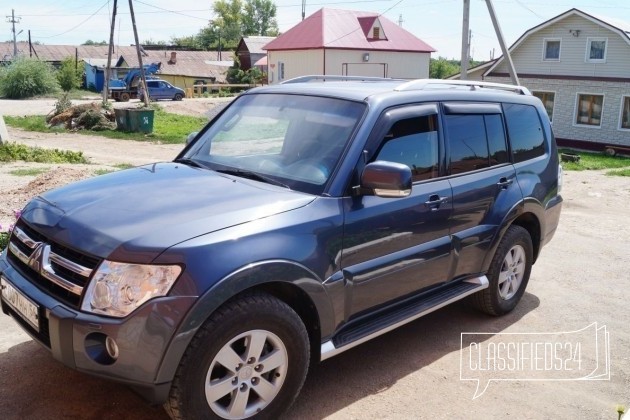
(295, 140)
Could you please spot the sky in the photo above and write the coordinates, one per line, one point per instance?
(437, 22)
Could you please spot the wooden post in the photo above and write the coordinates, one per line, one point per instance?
(108, 68)
(142, 74)
(504, 48)
(463, 75)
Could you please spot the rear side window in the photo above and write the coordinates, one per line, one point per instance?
(525, 131)
(476, 141)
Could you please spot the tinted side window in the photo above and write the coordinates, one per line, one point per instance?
(496, 139)
(413, 142)
(525, 131)
(467, 140)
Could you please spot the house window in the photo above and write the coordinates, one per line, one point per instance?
(280, 70)
(376, 32)
(547, 98)
(552, 50)
(589, 110)
(625, 113)
(596, 50)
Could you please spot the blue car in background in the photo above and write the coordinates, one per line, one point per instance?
(159, 89)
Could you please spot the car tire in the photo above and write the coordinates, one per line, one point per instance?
(508, 274)
(124, 97)
(223, 373)
(178, 97)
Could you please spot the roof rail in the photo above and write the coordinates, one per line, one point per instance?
(422, 84)
(335, 78)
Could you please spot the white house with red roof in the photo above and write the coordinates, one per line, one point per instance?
(347, 42)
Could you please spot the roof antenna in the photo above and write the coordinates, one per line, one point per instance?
(303, 9)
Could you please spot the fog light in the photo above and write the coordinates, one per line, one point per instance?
(111, 347)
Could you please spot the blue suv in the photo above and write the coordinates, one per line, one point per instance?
(305, 219)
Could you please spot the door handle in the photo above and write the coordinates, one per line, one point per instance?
(435, 201)
(504, 183)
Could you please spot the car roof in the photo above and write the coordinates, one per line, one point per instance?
(369, 88)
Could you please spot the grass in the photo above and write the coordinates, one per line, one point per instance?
(594, 161)
(10, 152)
(29, 171)
(120, 166)
(167, 127)
(619, 172)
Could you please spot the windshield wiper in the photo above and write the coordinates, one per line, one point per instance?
(253, 175)
(189, 162)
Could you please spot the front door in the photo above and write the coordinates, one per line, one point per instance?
(395, 247)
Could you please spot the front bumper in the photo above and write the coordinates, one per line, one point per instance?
(77, 339)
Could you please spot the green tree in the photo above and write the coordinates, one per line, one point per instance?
(234, 19)
(69, 75)
(259, 18)
(186, 41)
(150, 41)
(27, 77)
(90, 42)
(442, 68)
(227, 27)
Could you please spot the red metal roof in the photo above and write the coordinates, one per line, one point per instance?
(347, 29)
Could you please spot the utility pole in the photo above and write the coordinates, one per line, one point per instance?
(504, 48)
(303, 9)
(142, 73)
(108, 68)
(463, 75)
(13, 20)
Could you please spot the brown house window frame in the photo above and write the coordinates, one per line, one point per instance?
(624, 117)
(590, 113)
(544, 96)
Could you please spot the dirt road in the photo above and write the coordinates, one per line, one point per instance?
(581, 278)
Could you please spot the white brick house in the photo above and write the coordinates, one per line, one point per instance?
(579, 66)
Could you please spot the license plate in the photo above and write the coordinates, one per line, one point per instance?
(20, 303)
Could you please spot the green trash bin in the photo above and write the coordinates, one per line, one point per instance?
(122, 119)
(141, 120)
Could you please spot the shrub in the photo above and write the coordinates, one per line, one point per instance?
(10, 152)
(27, 77)
(68, 76)
(63, 103)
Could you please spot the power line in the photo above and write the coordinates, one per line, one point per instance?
(75, 27)
(172, 11)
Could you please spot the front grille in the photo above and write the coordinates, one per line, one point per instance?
(58, 270)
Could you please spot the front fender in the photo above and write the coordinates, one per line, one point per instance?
(248, 277)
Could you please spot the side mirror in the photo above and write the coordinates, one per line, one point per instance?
(191, 136)
(386, 179)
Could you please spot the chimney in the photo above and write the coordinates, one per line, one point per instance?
(173, 59)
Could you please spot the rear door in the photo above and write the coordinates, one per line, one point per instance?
(482, 179)
(395, 247)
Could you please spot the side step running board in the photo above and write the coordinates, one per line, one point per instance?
(409, 312)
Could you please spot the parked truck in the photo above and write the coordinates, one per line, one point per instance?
(121, 90)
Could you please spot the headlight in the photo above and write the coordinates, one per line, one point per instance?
(117, 289)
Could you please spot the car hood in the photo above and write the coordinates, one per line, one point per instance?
(135, 214)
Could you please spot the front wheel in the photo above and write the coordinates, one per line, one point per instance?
(178, 97)
(248, 360)
(508, 274)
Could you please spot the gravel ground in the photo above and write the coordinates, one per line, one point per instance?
(582, 277)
